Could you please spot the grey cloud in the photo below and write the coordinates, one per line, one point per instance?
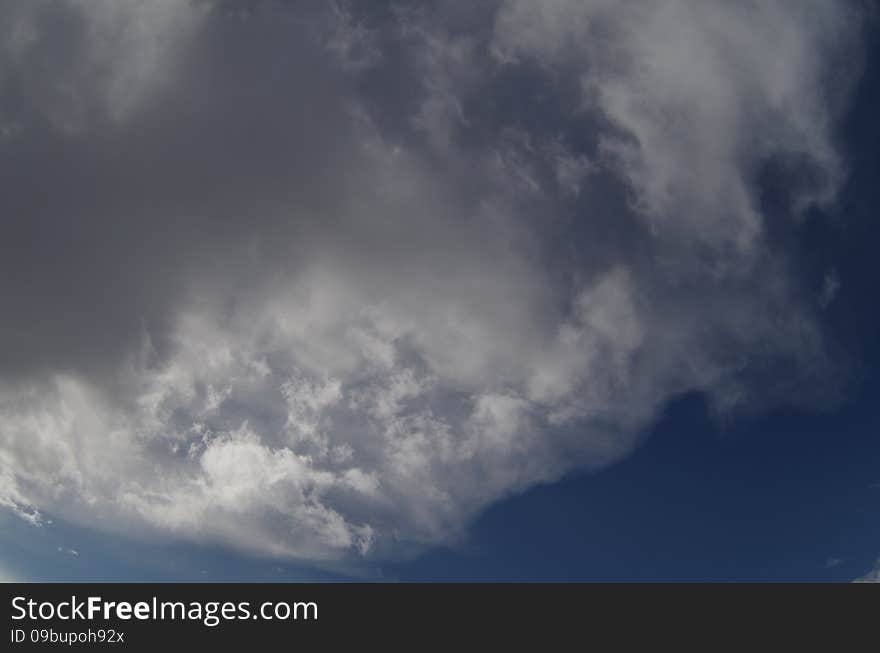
(137, 205)
(324, 281)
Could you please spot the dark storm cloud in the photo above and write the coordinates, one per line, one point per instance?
(315, 279)
(106, 219)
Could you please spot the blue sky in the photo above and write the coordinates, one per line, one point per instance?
(525, 291)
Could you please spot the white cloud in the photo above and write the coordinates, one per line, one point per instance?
(871, 576)
(421, 345)
(699, 93)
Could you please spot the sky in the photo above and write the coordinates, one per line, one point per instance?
(515, 290)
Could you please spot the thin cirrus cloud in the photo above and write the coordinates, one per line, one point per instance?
(323, 281)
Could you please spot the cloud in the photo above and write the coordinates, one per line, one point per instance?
(872, 576)
(731, 87)
(79, 60)
(830, 288)
(8, 577)
(324, 282)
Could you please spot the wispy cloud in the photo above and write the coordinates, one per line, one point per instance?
(871, 576)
